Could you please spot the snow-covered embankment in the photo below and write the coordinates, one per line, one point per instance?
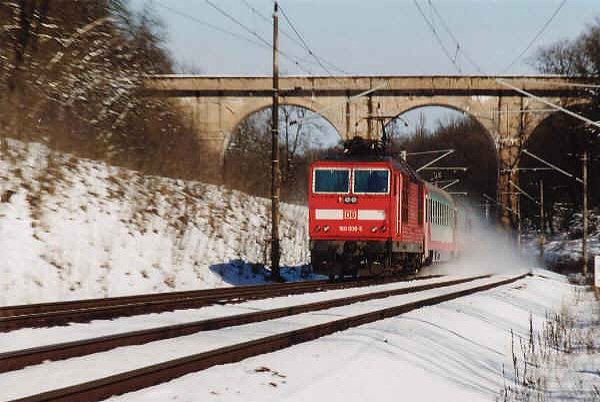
(73, 228)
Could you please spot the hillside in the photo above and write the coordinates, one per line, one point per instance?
(73, 228)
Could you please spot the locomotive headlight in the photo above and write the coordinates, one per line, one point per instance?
(383, 228)
(374, 229)
(317, 228)
(347, 200)
(353, 200)
(326, 228)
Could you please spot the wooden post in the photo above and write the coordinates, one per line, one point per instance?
(542, 239)
(585, 215)
(275, 180)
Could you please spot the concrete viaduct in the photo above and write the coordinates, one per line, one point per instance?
(215, 105)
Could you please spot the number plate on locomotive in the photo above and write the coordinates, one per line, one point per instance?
(352, 229)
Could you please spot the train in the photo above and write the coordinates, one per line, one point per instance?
(372, 214)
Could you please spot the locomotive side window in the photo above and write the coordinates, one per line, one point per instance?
(371, 181)
(331, 181)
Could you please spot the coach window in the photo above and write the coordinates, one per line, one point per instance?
(429, 212)
(331, 181)
(444, 214)
(371, 181)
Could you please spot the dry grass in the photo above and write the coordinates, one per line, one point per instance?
(541, 352)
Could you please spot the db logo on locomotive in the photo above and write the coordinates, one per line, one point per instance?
(350, 214)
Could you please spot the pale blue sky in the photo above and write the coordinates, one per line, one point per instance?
(372, 36)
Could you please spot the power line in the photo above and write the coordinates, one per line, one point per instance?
(305, 45)
(459, 48)
(300, 41)
(253, 33)
(268, 20)
(437, 36)
(209, 25)
(506, 84)
(540, 32)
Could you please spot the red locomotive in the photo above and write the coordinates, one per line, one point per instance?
(372, 214)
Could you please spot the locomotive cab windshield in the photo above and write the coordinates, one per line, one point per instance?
(371, 181)
(331, 181)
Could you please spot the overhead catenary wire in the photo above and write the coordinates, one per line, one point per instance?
(437, 36)
(253, 33)
(305, 45)
(536, 37)
(210, 25)
(291, 37)
(459, 47)
(552, 105)
(508, 85)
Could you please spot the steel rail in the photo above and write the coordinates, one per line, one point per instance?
(135, 380)
(69, 312)
(10, 361)
(26, 309)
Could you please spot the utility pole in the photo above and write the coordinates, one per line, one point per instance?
(542, 221)
(275, 180)
(585, 214)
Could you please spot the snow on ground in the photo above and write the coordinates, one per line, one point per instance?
(563, 251)
(51, 375)
(73, 228)
(34, 337)
(456, 351)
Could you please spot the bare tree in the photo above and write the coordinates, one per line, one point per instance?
(248, 158)
(72, 72)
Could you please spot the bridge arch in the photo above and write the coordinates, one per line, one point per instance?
(569, 142)
(486, 128)
(482, 175)
(258, 108)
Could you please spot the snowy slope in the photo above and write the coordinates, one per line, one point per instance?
(73, 228)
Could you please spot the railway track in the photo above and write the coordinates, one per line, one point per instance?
(154, 374)
(19, 359)
(62, 313)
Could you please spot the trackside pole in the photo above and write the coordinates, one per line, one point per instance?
(585, 216)
(542, 223)
(275, 190)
